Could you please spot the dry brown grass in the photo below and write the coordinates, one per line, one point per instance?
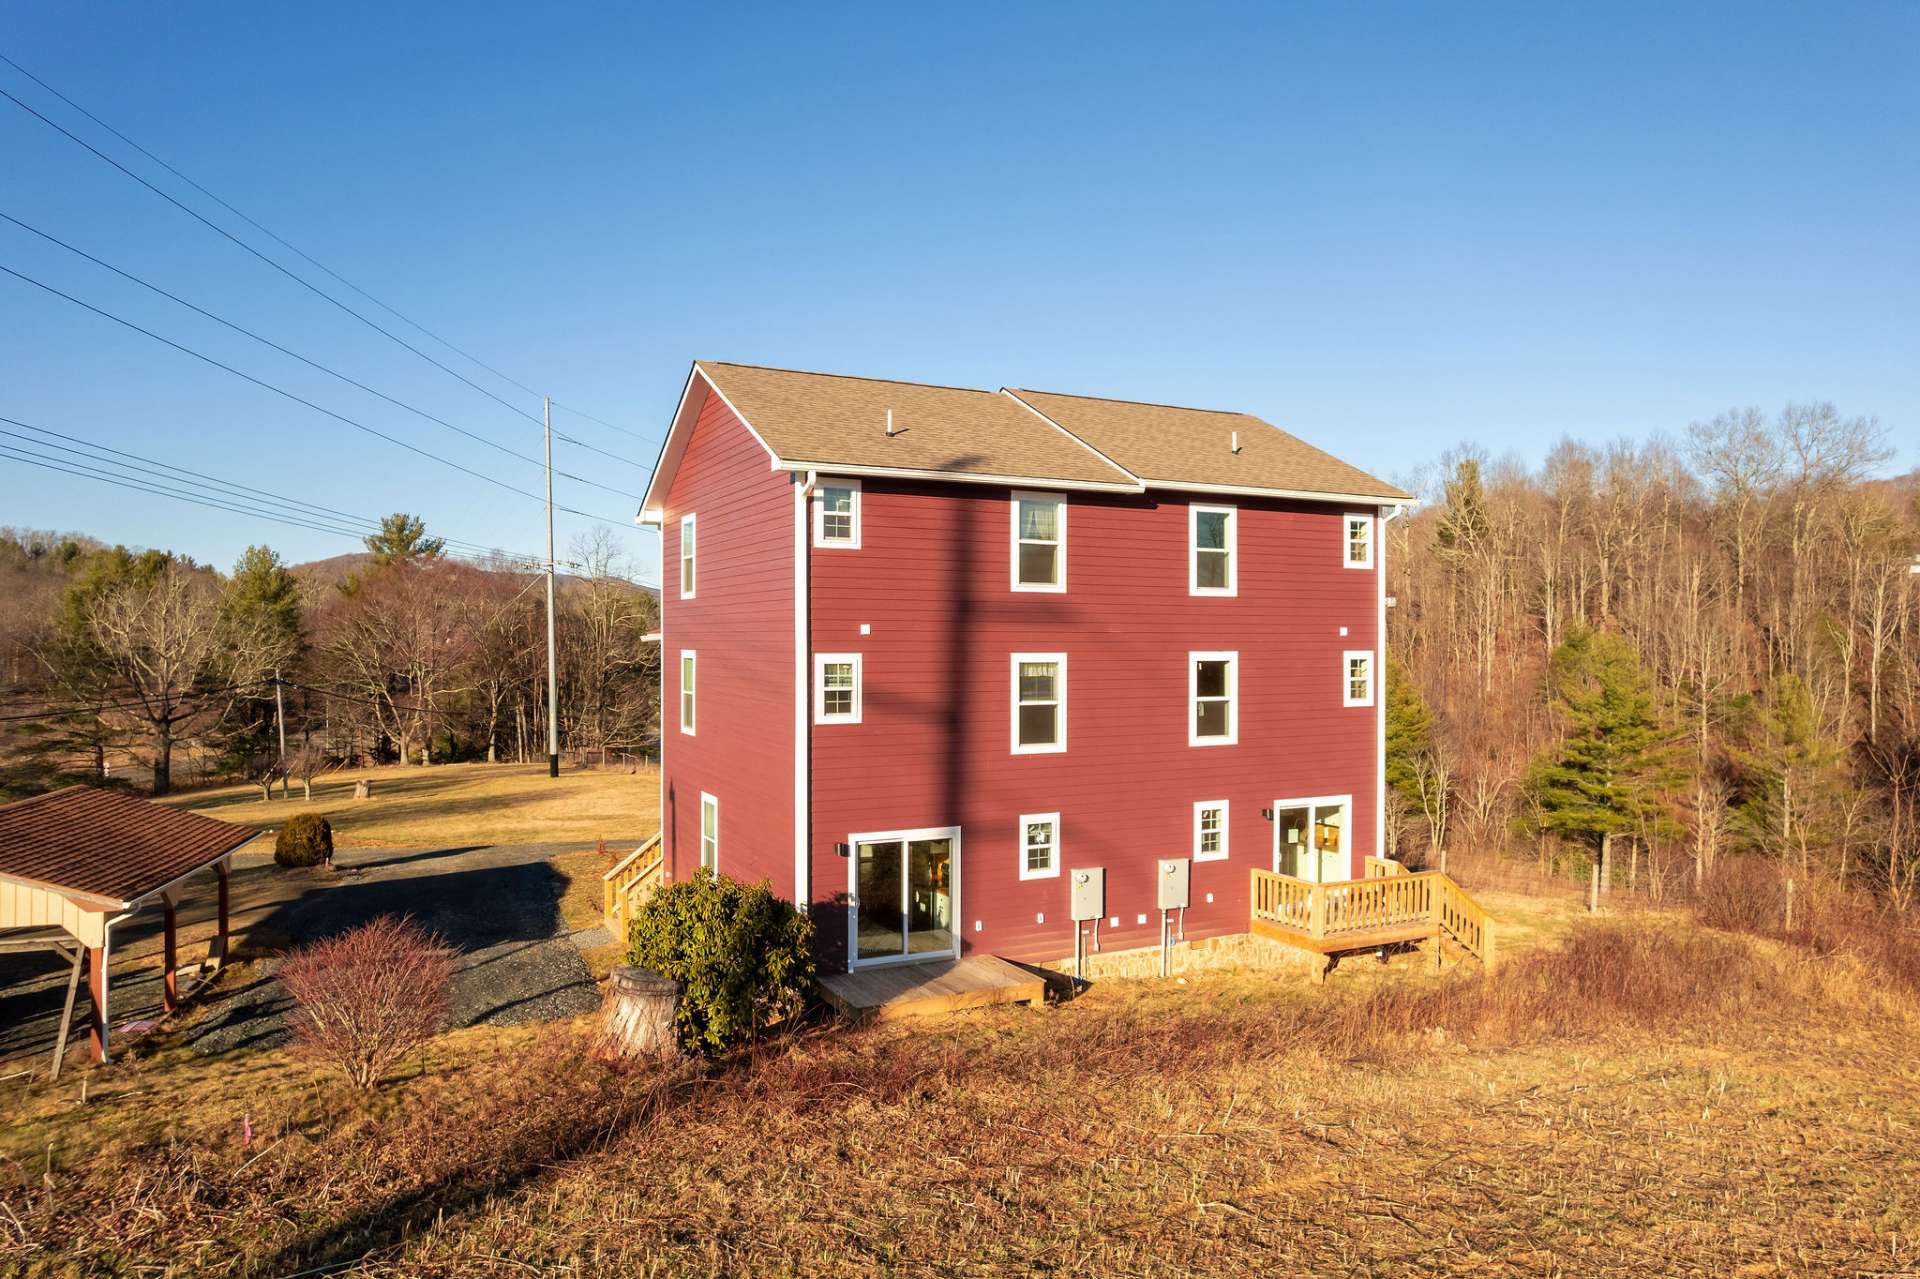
(1643, 1099)
(447, 804)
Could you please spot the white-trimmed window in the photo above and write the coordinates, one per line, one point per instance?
(1357, 548)
(686, 557)
(709, 833)
(1210, 830)
(1040, 846)
(1213, 699)
(1039, 703)
(1357, 671)
(1039, 542)
(1212, 553)
(836, 514)
(836, 688)
(686, 690)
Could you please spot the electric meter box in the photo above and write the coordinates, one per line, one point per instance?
(1089, 888)
(1176, 874)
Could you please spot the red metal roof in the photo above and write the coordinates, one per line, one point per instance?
(107, 843)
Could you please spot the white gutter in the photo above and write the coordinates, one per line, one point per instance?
(1387, 516)
(802, 689)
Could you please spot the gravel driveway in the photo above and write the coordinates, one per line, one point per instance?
(497, 907)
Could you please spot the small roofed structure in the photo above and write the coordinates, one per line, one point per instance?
(80, 861)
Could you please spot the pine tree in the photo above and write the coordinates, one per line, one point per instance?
(1608, 773)
(1409, 736)
(404, 537)
(1788, 768)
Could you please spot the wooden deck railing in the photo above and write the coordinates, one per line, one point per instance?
(1381, 867)
(1384, 904)
(629, 883)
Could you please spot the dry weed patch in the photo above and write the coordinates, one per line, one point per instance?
(1641, 1100)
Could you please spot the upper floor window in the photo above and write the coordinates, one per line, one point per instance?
(709, 833)
(1040, 846)
(1359, 678)
(1212, 532)
(1210, 830)
(836, 514)
(1359, 545)
(686, 690)
(1213, 694)
(1039, 703)
(1039, 542)
(686, 557)
(836, 688)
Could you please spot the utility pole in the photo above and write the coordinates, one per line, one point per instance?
(280, 719)
(553, 677)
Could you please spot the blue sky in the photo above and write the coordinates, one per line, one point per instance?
(1390, 229)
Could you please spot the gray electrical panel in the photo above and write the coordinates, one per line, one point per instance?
(1089, 888)
(1175, 876)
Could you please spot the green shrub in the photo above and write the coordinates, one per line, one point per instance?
(743, 957)
(306, 840)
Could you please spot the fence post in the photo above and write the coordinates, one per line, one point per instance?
(1789, 927)
(1593, 890)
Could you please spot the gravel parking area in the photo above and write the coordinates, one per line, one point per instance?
(497, 907)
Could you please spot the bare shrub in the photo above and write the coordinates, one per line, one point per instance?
(366, 999)
(1749, 895)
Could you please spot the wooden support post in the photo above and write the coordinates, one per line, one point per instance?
(169, 954)
(1593, 891)
(217, 948)
(97, 1000)
(1317, 911)
(66, 1011)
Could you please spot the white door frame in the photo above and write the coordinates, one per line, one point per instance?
(1317, 802)
(949, 833)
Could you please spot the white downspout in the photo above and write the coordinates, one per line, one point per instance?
(1387, 516)
(802, 690)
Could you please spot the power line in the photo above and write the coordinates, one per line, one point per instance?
(15, 454)
(264, 385)
(243, 492)
(311, 363)
(94, 708)
(302, 254)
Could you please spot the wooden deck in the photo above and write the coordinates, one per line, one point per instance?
(933, 989)
(1389, 907)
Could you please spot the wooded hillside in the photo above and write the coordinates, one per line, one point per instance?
(1683, 648)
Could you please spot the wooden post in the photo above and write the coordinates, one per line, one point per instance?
(1317, 911)
(170, 955)
(1789, 926)
(1593, 891)
(66, 1011)
(217, 948)
(97, 1001)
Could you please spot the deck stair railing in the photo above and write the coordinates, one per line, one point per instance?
(630, 882)
(1388, 905)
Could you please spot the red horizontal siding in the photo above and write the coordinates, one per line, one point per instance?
(740, 625)
(932, 581)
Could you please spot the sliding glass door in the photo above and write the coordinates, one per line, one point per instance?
(906, 887)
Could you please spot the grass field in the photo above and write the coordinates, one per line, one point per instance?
(447, 804)
(1621, 1098)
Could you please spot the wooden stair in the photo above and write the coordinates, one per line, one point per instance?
(629, 883)
(1389, 907)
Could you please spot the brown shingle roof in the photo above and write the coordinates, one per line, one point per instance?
(108, 844)
(1174, 446)
(828, 420)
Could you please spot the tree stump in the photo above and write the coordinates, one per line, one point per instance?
(363, 789)
(640, 1014)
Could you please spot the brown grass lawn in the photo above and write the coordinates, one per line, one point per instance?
(447, 804)
(1634, 1097)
